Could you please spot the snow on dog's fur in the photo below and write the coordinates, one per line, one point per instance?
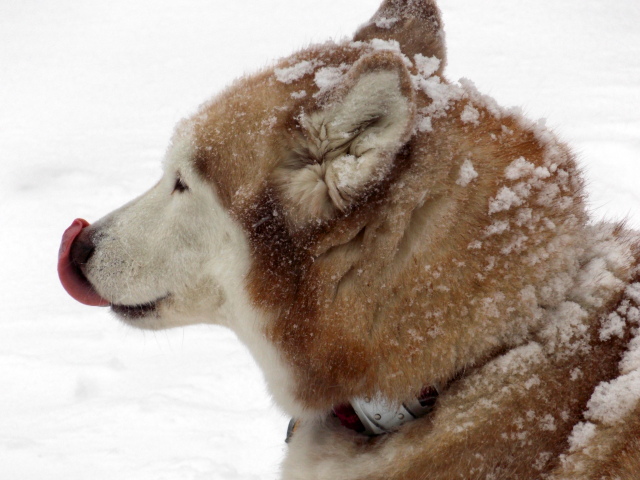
(368, 229)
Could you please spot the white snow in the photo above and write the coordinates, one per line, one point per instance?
(480, 98)
(613, 325)
(379, 44)
(386, 22)
(633, 292)
(504, 200)
(90, 92)
(470, 115)
(327, 77)
(612, 401)
(519, 168)
(295, 72)
(425, 125)
(467, 173)
(496, 228)
(427, 66)
(581, 435)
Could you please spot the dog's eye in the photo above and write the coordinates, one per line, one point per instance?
(180, 186)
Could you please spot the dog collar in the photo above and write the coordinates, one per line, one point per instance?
(376, 416)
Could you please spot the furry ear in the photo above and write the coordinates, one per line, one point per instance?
(348, 146)
(415, 24)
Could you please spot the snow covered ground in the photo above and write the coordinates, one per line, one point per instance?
(89, 94)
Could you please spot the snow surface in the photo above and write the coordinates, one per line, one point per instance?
(89, 94)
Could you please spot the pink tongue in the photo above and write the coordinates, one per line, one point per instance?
(71, 278)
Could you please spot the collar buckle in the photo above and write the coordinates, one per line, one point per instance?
(378, 416)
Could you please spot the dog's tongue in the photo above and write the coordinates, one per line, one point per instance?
(73, 281)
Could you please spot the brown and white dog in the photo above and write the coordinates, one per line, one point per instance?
(389, 245)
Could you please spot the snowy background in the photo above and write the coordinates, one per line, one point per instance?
(89, 94)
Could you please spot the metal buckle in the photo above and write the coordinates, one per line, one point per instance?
(379, 416)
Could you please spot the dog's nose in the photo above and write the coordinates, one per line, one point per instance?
(82, 249)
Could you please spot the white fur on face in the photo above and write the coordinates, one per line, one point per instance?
(162, 246)
(183, 250)
(177, 247)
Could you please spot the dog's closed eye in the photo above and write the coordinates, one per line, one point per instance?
(180, 186)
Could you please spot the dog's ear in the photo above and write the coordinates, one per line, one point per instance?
(415, 24)
(347, 148)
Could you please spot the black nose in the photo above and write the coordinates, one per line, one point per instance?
(82, 249)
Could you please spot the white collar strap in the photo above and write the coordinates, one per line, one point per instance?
(378, 416)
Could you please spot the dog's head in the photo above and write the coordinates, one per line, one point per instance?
(345, 202)
(313, 137)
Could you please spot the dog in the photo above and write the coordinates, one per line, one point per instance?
(411, 265)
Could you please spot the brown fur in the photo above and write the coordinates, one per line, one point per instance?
(415, 284)
(408, 18)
